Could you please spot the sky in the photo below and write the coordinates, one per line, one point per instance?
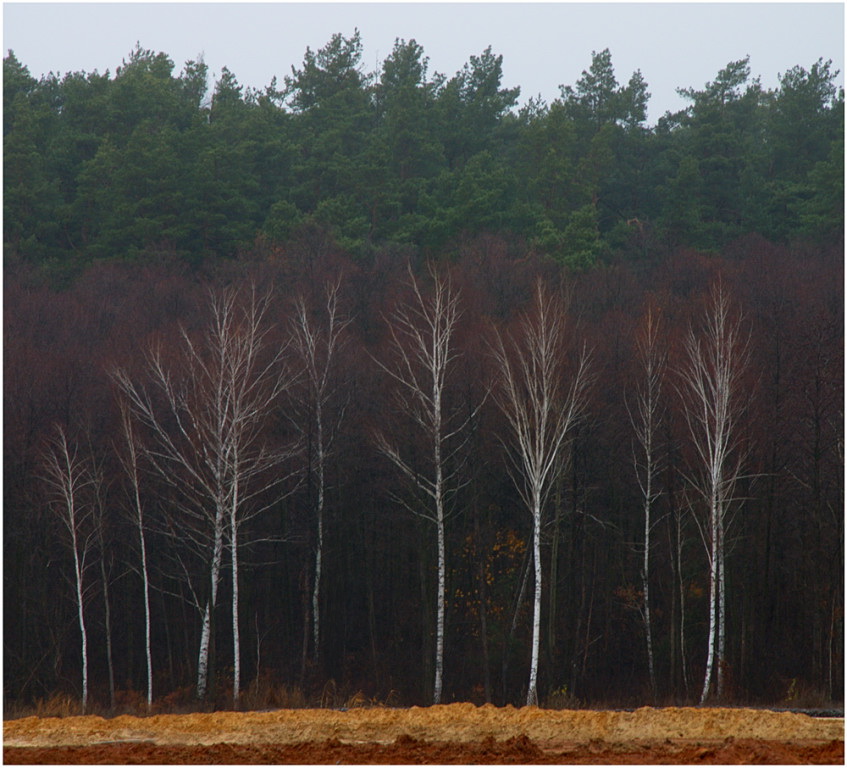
(544, 45)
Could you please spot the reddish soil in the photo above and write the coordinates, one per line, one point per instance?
(451, 734)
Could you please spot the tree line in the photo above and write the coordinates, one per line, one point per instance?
(145, 160)
(491, 479)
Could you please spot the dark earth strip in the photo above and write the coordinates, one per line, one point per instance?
(406, 750)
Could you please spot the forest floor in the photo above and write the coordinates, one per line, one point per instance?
(449, 734)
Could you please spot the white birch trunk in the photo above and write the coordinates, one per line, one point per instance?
(211, 602)
(645, 579)
(540, 410)
(721, 649)
(422, 336)
(646, 423)
(439, 638)
(712, 406)
(316, 593)
(236, 636)
(78, 570)
(148, 653)
(130, 464)
(203, 653)
(207, 443)
(713, 605)
(318, 349)
(683, 657)
(67, 477)
(532, 689)
(439, 522)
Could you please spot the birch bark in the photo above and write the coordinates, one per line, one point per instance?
(540, 408)
(318, 347)
(129, 460)
(67, 477)
(207, 444)
(711, 380)
(422, 341)
(646, 423)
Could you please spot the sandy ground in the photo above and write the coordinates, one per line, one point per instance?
(455, 733)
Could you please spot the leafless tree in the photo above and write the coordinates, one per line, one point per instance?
(68, 478)
(317, 347)
(99, 489)
(646, 422)
(711, 386)
(422, 344)
(206, 428)
(129, 457)
(541, 403)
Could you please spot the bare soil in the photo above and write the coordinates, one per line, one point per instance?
(449, 734)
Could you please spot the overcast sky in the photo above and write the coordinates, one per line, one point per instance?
(543, 45)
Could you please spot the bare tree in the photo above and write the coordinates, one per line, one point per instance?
(541, 405)
(207, 438)
(646, 422)
(68, 478)
(422, 343)
(130, 462)
(99, 487)
(318, 346)
(711, 384)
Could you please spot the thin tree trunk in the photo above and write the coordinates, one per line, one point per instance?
(422, 334)
(427, 660)
(648, 628)
(442, 565)
(211, 601)
(645, 565)
(318, 350)
(316, 594)
(721, 650)
(108, 623)
(67, 476)
(130, 463)
(674, 637)
(532, 690)
(236, 633)
(554, 569)
(713, 601)
(519, 598)
(99, 510)
(483, 601)
(148, 655)
(712, 406)
(439, 639)
(81, 619)
(540, 409)
(681, 583)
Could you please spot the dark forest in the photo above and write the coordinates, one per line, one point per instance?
(379, 387)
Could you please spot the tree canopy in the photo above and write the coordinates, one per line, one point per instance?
(147, 161)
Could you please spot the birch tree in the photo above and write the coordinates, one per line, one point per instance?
(646, 422)
(206, 427)
(421, 333)
(318, 347)
(68, 478)
(713, 399)
(541, 403)
(98, 482)
(129, 459)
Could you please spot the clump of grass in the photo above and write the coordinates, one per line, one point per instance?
(58, 705)
(562, 698)
(329, 695)
(265, 693)
(360, 700)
